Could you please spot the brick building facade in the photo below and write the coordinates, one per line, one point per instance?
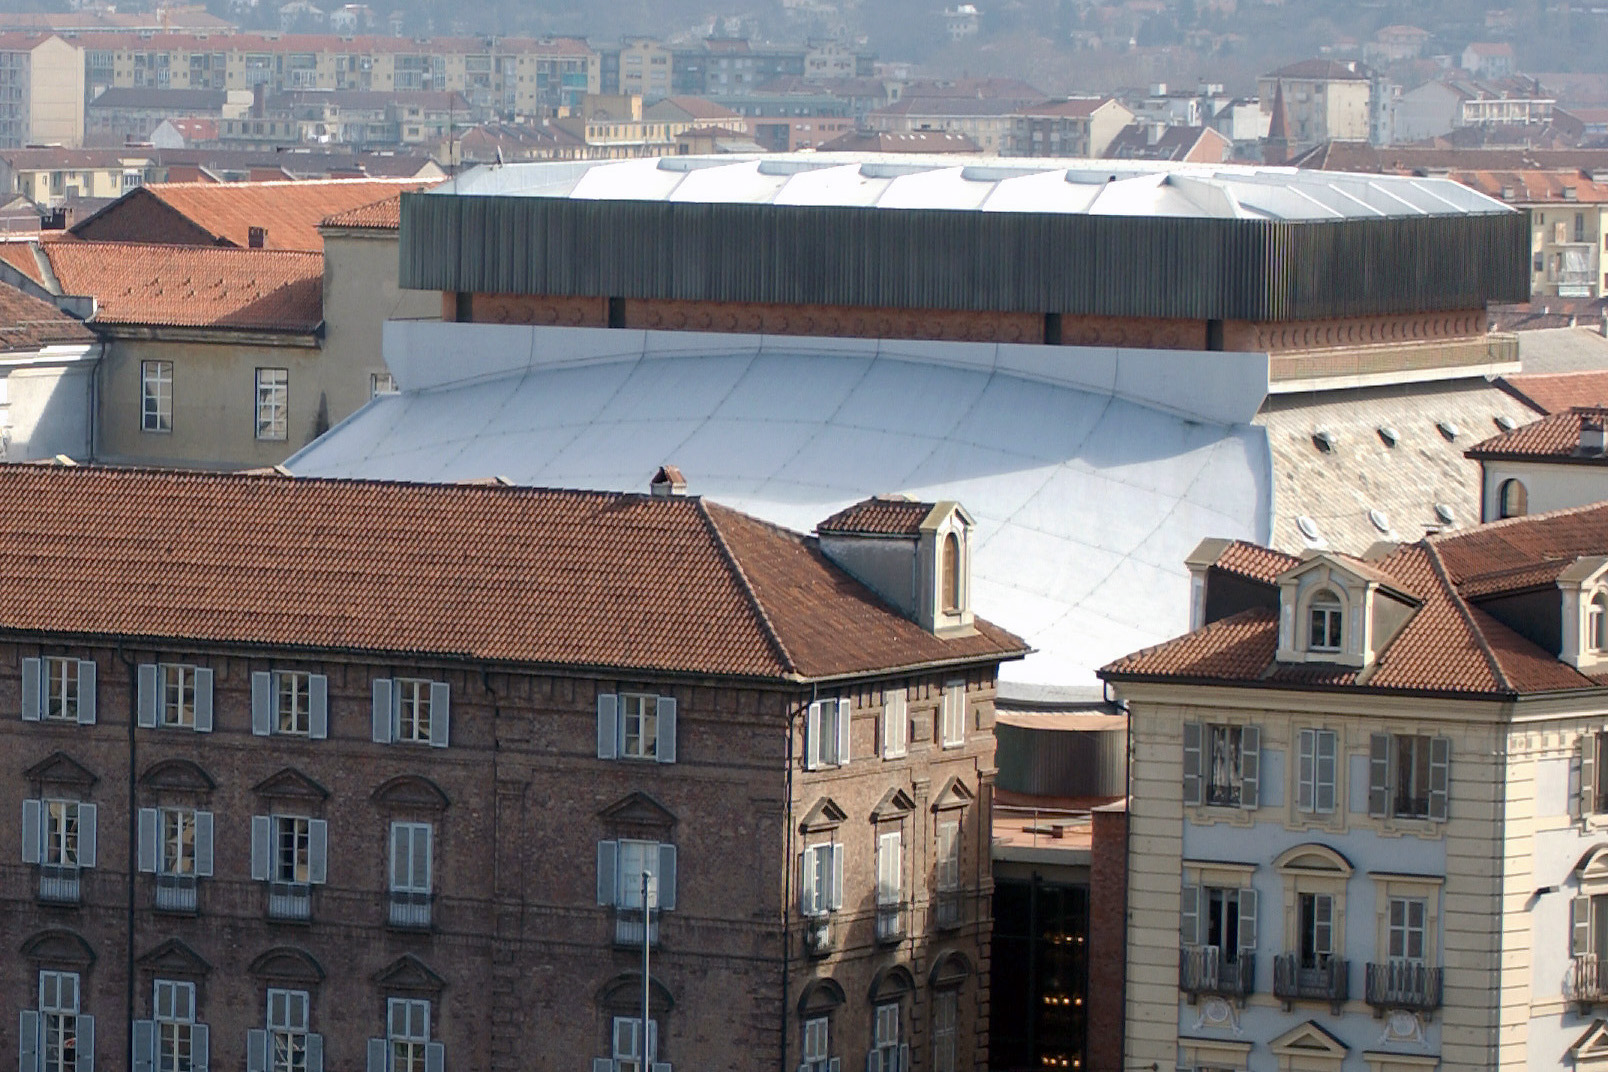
(333, 774)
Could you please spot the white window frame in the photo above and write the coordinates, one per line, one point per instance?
(826, 733)
(61, 688)
(172, 825)
(635, 857)
(953, 717)
(1326, 622)
(293, 703)
(947, 876)
(817, 1045)
(287, 1029)
(945, 1029)
(407, 1041)
(1597, 623)
(272, 408)
(1317, 775)
(414, 709)
(156, 397)
(296, 830)
(820, 890)
(1400, 929)
(890, 868)
(895, 724)
(173, 1013)
(177, 699)
(885, 1037)
(411, 860)
(382, 383)
(639, 726)
(625, 1043)
(60, 1012)
(63, 833)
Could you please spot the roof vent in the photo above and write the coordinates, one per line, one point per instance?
(1444, 514)
(1309, 529)
(1593, 435)
(1509, 193)
(256, 237)
(1447, 429)
(667, 481)
(1324, 441)
(1570, 193)
(1506, 423)
(1378, 520)
(1388, 435)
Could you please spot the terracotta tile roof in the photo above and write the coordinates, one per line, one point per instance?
(879, 516)
(383, 215)
(20, 255)
(291, 211)
(1555, 391)
(194, 286)
(1257, 563)
(1555, 437)
(1448, 645)
(27, 323)
(525, 575)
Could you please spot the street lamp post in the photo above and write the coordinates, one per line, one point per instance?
(647, 923)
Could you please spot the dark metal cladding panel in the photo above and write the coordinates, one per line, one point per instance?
(965, 260)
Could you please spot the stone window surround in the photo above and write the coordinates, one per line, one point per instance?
(1296, 867)
(1388, 885)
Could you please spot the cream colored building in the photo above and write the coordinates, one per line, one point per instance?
(1322, 100)
(1367, 830)
(41, 91)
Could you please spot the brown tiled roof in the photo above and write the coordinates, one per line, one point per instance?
(194, 286)
(1448, 645)
(1550, 392)
(20, 255)
(879, 516)
(291, 211)
(27, 323)
(383, 215)
(1555, 437)
(1258, 563)
(505, 574)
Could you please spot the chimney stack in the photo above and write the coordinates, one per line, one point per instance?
(1593, 435)
(256, 237)
(666, 482)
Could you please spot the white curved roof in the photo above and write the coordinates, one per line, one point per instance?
(988, 184)
(1091, 473)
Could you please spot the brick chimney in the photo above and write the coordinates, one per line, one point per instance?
(666, 482)
(256, 237)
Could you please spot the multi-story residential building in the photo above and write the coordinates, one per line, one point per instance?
(41, 91)
(1365, 825)
(117, 117)
(641, 66)
(358, 118)
(735, 67)
(1316, 101)
(1567, 226)
(1081, 126)
(439, 832)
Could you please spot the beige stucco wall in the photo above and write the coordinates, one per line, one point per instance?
(360, 295)
(214, 403)
(1550, 486)
(56, 93)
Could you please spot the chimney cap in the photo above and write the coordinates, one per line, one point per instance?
(667, 481)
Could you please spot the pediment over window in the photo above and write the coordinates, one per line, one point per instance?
(290, 784)
(623, 993)
(411, 791)
(825, 815)
(287, 964)
(895, 804)
(1315, 858)
(59, 768)
(1308, 1040)
(820, 997)
(1593, 1044)
(891, 983)
(640, 810)
(954, 794)
(58, 948)
(1593, 864)
(178, 775)
(173, 957)
(951, 968)
(408, 972)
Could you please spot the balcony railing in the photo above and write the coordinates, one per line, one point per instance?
(410, 909)
(946, 908)
(1588, 983)
(1403, 984)
(290, 900)
(628, 927)
(175, 893)
(58, 884)
(890, 922)
(1328, 981)
(1202, 969)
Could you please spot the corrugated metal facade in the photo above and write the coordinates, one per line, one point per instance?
(1195, 268)
(1061, 763)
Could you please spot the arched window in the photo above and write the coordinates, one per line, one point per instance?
(949, 568)
(1327, 623)
(1597, 623)
(1512, 499)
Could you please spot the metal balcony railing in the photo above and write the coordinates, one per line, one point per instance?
(58, 884)
(1588, 983)
(628, 927)
(290, 900)
(890, 922)
(1403, 984)
(1203, 969)
(1328, 980)
(175, 893)
(410, 909)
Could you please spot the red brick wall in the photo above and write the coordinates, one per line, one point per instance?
(1108, 914)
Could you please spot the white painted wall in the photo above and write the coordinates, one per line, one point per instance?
(46, 402)
(1551, 486)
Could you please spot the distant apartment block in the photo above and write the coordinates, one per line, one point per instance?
(41, 91)
(1316, 101)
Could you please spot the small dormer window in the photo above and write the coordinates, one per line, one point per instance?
(1328, 622)
(950, 571)
(1597, 623)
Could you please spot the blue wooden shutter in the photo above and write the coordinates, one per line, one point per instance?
(607, 861)
(317, 706)
(1247, 919)
(33, 818)
(150, 695)
(807, 893)
(86, 692)
(440, 714)
(200, 1048)
(32, 670)
(28, 1041)
(667, 876)
(262, 839)
(664, 748)
(608, 725)
(1579, 926)
(315, 1053)
(203, 844)
(844, 722)
(203, 699)
(317, 851)
(1306, 770)
(1440, 773)
(379, 1052)
(435, 1057)
(1379, 775)
(262, 703)
(144, 1045)
(837, 876)
(1327, 776)
(86, 1044)
(812, 737)
(86, 835)
(256, 1050)
(1189, 916)
(382, 710)
(149, 834)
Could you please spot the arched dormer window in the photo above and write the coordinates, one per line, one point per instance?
(1597, 623)
(1512, 499)
(950, 571)
(1327, 619)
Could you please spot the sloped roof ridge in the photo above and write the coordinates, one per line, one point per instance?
(1495, 665)
(1249, 614)
(1511, 522)
(783, 656)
